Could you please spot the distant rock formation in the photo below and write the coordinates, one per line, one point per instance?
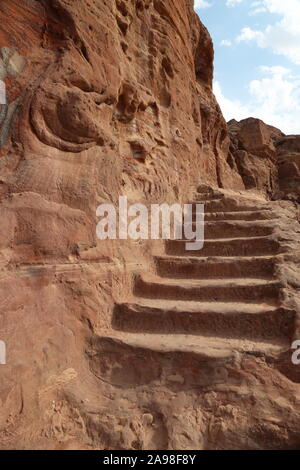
(266, 159)
(288, 161)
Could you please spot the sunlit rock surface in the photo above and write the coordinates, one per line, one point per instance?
(107, 98)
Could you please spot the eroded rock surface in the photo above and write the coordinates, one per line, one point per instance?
(266, 159)
(254, 152)
(109, 98)
(288, 154)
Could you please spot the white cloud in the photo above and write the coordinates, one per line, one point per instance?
(256, 8)
(233, 3)
(247, 34)
(283, 36)
(201, 4)
(274, 98)
(226, 43)
(257, 11)
(230, 108)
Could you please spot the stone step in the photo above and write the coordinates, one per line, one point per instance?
(203, 347)
(241, 215)
(235, 229)
(248, 246)
(209, 196)
(213, 290)
(176, 361)
(216, 319)
(229, 205)
(208, 267)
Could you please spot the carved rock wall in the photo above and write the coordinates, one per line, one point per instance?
(103, 98)
(109, 98)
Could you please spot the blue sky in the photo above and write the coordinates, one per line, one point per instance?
(257, 58)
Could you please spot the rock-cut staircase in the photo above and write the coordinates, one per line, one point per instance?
(222, 298)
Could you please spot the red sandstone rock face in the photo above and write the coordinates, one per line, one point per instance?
(253, 150)
(109, 98)
(288, 154)
(266, 159)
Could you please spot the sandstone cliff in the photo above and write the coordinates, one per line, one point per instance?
(109, 98)
(266, 159)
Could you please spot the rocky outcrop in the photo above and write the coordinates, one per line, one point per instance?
(254, 152)
(110, 98)
(288, 158)
(129, 79)
(267, 160)
(102, 99)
